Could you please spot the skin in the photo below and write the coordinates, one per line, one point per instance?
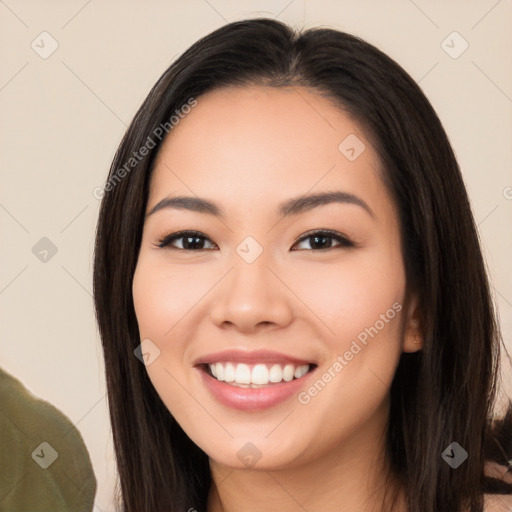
(249, 149)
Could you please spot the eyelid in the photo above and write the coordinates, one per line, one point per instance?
(331, 232)
(340, 237)
(164, 241)
(343, 241)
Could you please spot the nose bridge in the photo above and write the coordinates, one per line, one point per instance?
(251, 277)
(251, 294)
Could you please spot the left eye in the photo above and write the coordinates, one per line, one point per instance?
(320, 237)
(187, 236)
(194, 240)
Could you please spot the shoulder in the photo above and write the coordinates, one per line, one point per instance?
(29, 412)
(25, 417)
(495, 470)
(498, 503)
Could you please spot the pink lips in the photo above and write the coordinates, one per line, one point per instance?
(251, 357)
(252, 399)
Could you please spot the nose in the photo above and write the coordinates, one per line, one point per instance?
(252, 296)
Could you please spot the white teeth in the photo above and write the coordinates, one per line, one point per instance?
(242, 374)
(219, 370)
(229, 373)
(300, 371)
(276, 373)
(260, 374)
(288, 372)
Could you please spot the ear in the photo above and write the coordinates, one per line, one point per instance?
(413, 331)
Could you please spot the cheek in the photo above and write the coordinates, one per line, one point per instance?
(360, 308)
(161, 299)
(359, 305)
(162, 295)
(352, 296)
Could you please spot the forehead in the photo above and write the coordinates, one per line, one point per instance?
(261, 143)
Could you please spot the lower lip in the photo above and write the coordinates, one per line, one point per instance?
(252, 399)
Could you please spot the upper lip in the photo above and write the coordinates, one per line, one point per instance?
(251, 357)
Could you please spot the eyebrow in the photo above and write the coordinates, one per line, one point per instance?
(293, 206)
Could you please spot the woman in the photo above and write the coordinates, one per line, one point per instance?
(302, 279)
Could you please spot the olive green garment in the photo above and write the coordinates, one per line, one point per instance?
(35, 434)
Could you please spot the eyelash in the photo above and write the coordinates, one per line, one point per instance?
(166, 240)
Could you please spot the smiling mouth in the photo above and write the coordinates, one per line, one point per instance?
(255, 375)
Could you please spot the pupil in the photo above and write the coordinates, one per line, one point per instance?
(196, 244)
(317, 237)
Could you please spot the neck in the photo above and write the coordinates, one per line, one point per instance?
(353, 475)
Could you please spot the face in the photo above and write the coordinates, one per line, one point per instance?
(274, 329)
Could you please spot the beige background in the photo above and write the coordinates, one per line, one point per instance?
(63, 117)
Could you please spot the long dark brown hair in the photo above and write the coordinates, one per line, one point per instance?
(443, 393)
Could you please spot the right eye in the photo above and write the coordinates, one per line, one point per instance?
(191, 241)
